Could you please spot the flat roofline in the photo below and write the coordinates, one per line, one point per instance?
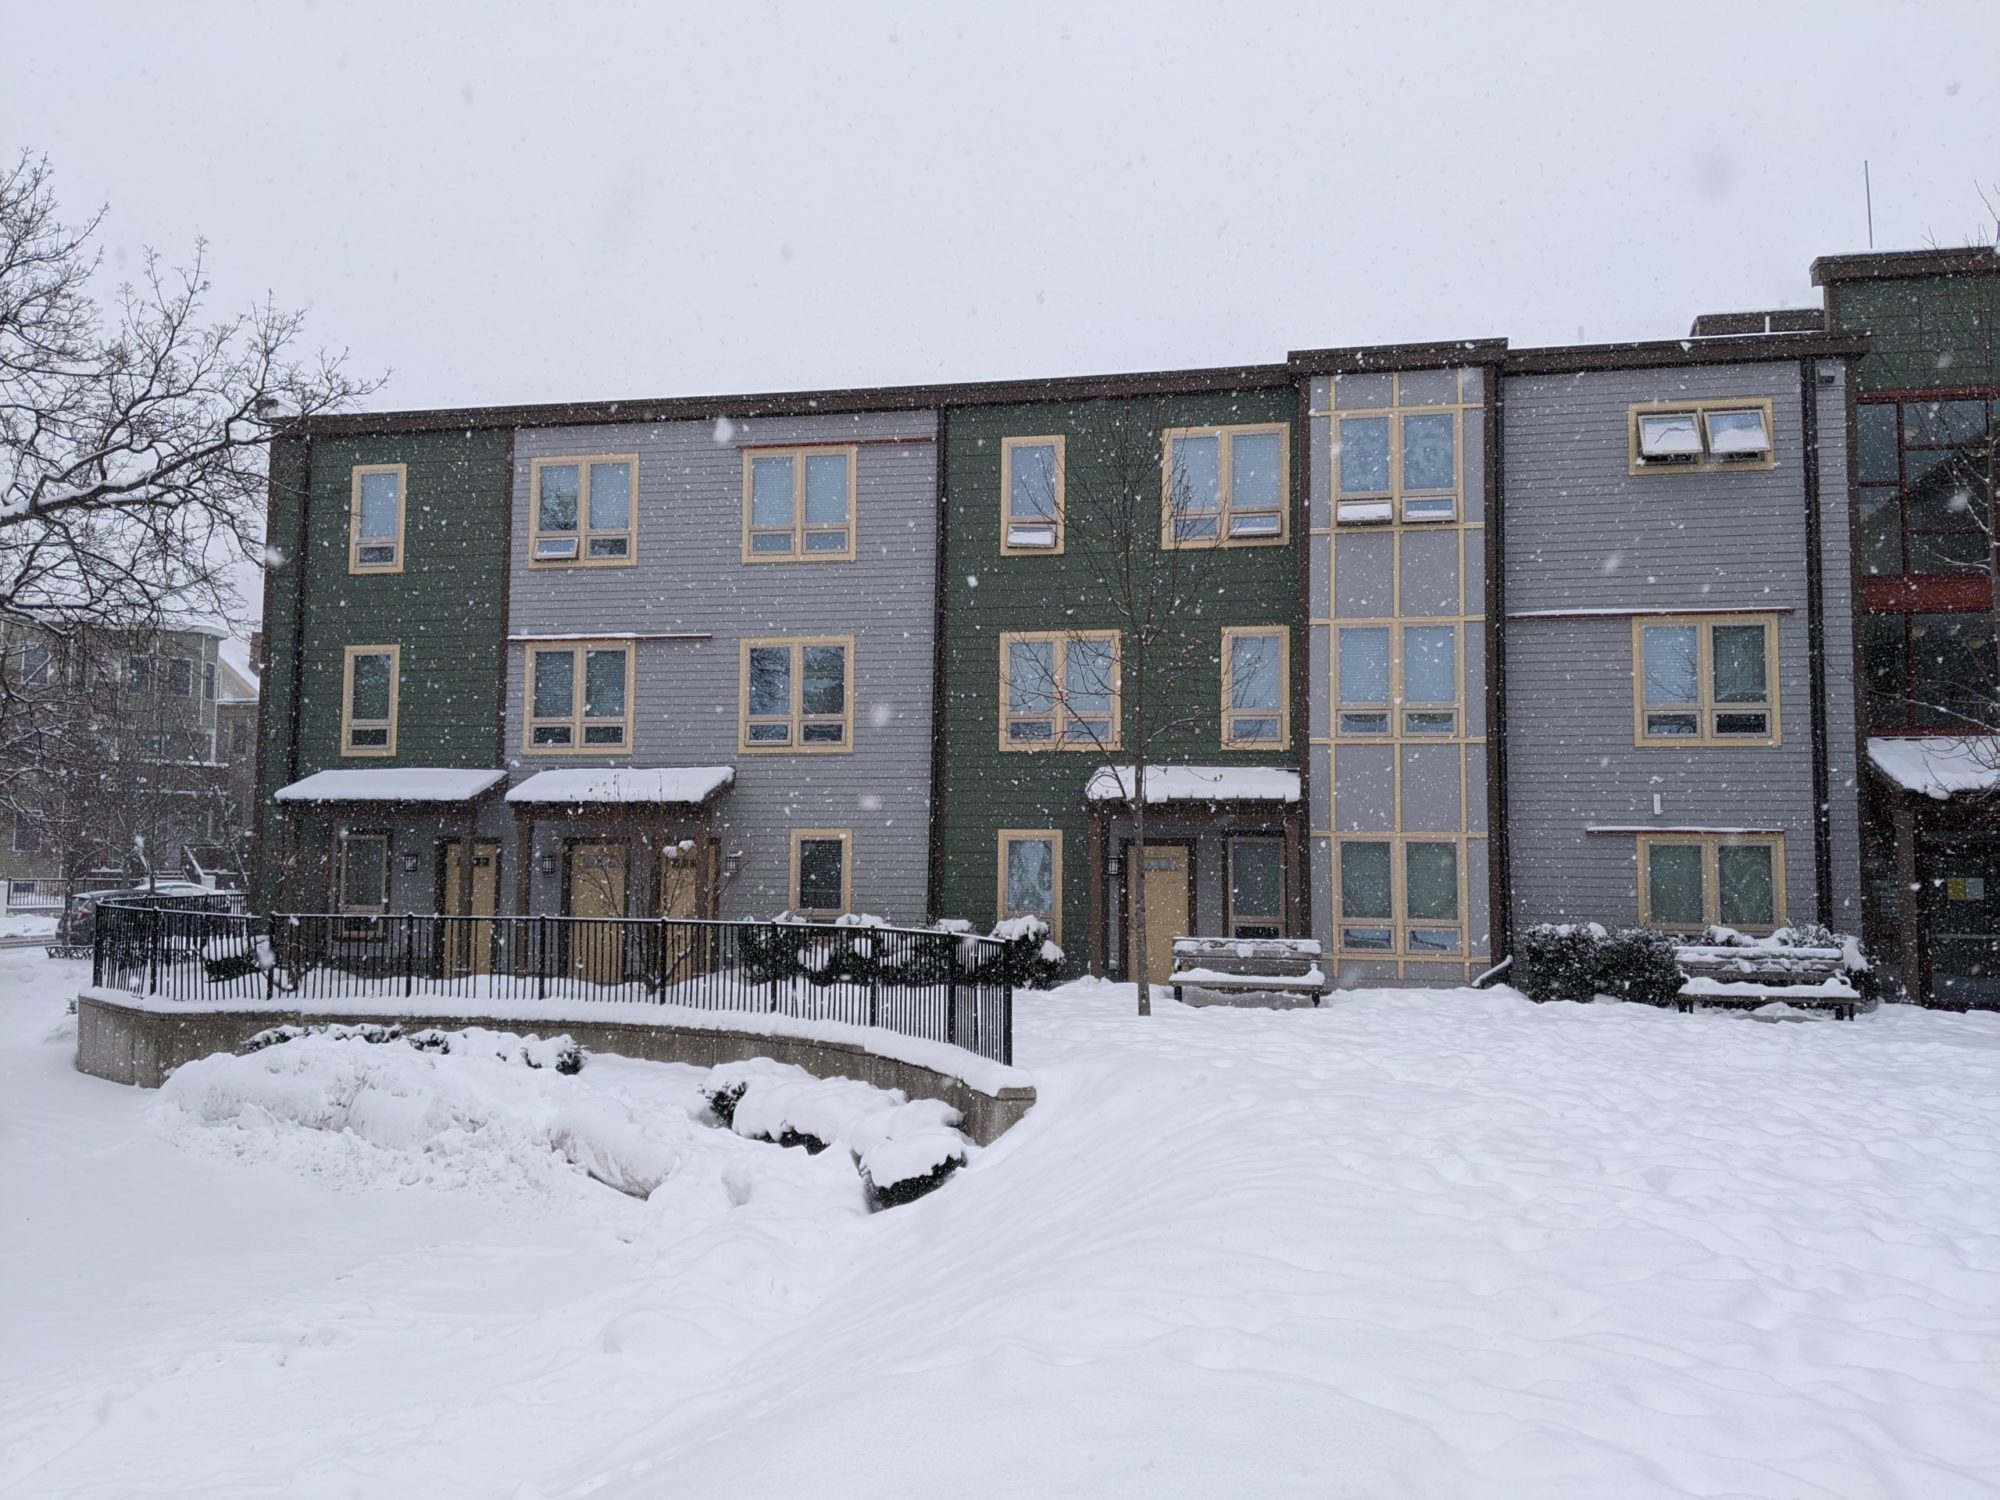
(1361, 358)
(1893, 265)
(1761, 348)
(841, 402)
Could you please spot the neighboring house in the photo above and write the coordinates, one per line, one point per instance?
(674, 663)
(1482, 637)
(1928, 408)
(383, 649)
(1678, 671)
(108, 756)
(1033, 813)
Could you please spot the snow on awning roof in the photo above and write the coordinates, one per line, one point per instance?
(392, 784)
(1939, 765)
(1195, 784)
(688, 786)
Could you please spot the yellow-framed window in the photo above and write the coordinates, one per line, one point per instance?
(361, 884)
(1401, 895)
(1225, 486)
(797, 695)
(1059, 691)
(370, 689)
(1400, 463)
(1256, 894)
(822, 879)
(1031, 495)
(1031, 876)
(1705, 680)
(583, 511)
(1689, 882)
(1398, 680)
(579, 699)
(1665, 437)
(1256, 688)
(799, 503)
(378, 511)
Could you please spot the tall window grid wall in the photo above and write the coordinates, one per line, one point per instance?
(1397, 765)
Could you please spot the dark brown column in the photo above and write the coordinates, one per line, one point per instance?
(1910, 907)
(1098, 915)
(524, 859)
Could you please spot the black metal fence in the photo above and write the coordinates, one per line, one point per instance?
(941, 986)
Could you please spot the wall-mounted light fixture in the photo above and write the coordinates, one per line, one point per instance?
(409, 864)
(546, 863)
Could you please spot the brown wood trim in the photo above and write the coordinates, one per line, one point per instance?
(1298, 823)
(1899, 265)
(1100, 915)
(524, 860)
(1969, 594)
(1749, 349)
(940, 682)
(507, 603)
(1816, 644)
(805, 403)
(1499, 852)
(1361, 359)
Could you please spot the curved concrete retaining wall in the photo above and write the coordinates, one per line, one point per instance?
(129, 1041)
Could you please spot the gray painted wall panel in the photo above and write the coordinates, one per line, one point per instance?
(1431, 792)
(1584, 533)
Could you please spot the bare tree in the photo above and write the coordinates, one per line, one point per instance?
(133, 444)
(1120, 504)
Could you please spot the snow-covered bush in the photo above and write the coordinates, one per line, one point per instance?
(1639, 965)
(903, 1148)
(1581, 960)
(1559, 961)
(1037, 962)
(557, 1052)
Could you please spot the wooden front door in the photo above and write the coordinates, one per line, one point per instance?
(1167, 889)
(597, 889)
(685, 951)
(469, 943)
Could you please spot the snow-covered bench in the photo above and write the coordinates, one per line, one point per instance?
(1766, 974)
(1254, 971)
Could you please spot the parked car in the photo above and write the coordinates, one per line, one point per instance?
(78, 929)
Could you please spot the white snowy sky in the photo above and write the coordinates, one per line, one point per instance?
(500, 203)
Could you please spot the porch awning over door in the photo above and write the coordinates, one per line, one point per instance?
(657, 786)
(431, 784)
(1195, 784)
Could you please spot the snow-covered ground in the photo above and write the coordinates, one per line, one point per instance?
(26, 925)
(1405, 1246)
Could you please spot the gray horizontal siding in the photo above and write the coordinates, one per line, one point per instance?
(1583, 533)
(690, 577)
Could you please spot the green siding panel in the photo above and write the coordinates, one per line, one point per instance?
(984, 789)
(446, 609)
(1930, 333)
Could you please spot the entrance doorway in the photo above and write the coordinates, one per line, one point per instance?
(1963, 896)
(1165, 885)
(468, 946)
(684, 877)
(596, 888)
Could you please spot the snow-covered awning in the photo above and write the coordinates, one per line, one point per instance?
(392, 784)
(684, 786)
(1195, 784)
(1939, 765)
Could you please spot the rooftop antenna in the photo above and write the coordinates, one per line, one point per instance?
(1868, 193)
